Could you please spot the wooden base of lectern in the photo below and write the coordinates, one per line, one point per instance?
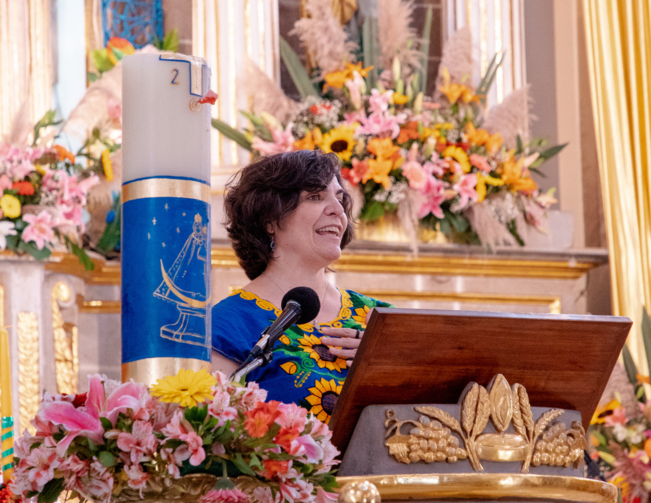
(481, 486)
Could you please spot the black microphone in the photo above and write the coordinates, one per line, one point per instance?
(299, 305)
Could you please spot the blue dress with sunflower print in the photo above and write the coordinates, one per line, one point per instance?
(303, 370)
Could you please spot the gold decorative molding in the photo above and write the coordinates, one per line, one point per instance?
(485, 486)
(430, 438)
(553, 303)
(28, 369)
(98, 306)
(66, 350)
(108, 273)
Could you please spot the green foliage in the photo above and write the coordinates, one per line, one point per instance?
(101, 60)
(107, 459)
(488, 78)
(45, 121)
(111, 237)
(232, 134)
(77, 251)
(424, 58)
(169, 43)
(296, 70)
(51, 491)
(371, 47)
(372, 211)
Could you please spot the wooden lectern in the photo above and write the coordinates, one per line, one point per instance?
(427, 412)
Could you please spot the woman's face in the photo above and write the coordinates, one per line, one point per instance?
(315, 228)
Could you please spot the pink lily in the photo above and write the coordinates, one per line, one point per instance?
(382, 122)
(283, 141)
(39, 229)
(76, 421)
(466, 189)
(434, 190)
(413, 170)
(379, 102)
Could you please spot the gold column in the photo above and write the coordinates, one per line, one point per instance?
(618, 38)
(28, 369)
(66, 355)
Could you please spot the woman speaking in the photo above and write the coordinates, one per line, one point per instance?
(288, 218)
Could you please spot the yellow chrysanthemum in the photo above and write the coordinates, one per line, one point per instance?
(459, 155)
(321, 354)
(341, 141)
(323, 399)
(186, 388)
(10, 206)
(107, 164)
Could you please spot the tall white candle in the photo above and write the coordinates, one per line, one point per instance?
(165, 131)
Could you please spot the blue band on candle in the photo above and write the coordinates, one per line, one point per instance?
(7, 436)
(8, 452)
(7, 422)
(8, 466)
(165, 278)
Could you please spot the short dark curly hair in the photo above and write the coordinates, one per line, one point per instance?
(268, 190)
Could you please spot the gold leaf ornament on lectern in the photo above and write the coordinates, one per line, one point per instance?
(432, 440)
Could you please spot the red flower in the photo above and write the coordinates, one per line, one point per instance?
(441, 145)
(318, 109)
(463, 145)
(6, 496)
(285, 438)
(259, 419)
(275, 467)
(80, 400)
(210, 97)
(23, 188)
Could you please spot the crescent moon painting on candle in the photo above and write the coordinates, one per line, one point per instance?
(177, 286)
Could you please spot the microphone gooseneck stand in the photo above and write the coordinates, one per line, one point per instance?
(260, 361)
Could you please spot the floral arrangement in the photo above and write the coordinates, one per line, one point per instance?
(43, 192)
(438, 162)
(620, 430)
(123, 441)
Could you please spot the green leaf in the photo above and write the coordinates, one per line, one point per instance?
(424, 49)
(487, 80)
(370, 45)
(106, 423)
(372, 211)
(519, 148)
(552, 151)
(224, 483)
(92, 76)
(296, 70)
(255, 462)
(119, 55)
(257, 121)
(171, 41)
(107, 459)
(646, 336)
(31, 248)
(196, 414)
(51, 491)
(81, 254)
(101, 60)
(512, 228)
(602, 440)
(232, 134)
(242, 466)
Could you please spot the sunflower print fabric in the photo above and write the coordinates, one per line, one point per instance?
(303, 370)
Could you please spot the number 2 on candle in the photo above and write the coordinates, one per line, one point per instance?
(176, 74)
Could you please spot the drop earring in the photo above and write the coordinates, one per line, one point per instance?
(272, 245)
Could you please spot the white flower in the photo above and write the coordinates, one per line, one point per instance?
(6, 229)
(620, 432)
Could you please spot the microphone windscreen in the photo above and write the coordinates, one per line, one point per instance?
(307, 299)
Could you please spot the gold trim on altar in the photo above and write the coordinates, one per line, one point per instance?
(148, 370)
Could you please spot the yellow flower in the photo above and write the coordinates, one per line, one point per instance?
(400, 99)
(321, 354)
(476, 136)
(357, 67)
(379, 170)
(285, 340)
(482, 181)
(427, 132)
(40, 169)
(186, 388)
(336, 79)
(10, 206)
(107, 164)
(323, 399)
(289, 367)
(512, 169)
(340, 141)
(602, 412)
(382, 148)
(459, 155)
(494, 143)
(311, 140)
(455, 91)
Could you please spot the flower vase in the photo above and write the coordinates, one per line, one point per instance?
(389, 229)
(187, 489)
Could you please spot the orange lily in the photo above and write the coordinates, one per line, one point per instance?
(378, 170)
(357, 67)
(64, 153)
(383, 148)
(400, 99)
(311, 140)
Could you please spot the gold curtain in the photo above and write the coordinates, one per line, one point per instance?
(618, 35)
(25, 60)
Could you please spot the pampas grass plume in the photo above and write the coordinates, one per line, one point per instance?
(511, 117)
(396, 33)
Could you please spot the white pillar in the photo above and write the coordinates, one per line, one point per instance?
(227, 33)
(496, 25)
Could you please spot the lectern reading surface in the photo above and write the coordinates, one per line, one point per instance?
(427, 356)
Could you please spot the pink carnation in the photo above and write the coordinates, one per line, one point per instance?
(225, 496)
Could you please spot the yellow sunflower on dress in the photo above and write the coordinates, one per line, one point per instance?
(360, 315)
(186, 388)
(321, 354)
(341, 141)
(323, 398)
